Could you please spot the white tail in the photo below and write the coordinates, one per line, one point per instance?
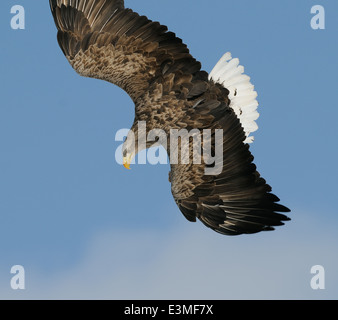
(229, 73)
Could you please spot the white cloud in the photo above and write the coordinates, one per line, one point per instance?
(193, 263)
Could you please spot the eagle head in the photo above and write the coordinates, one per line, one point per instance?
(135, 142)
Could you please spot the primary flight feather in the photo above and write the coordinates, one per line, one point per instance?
(104, 40)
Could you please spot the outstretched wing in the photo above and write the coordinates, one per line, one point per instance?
(101, 39)
(235, 200)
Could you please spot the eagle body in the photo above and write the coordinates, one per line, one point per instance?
(104, 40)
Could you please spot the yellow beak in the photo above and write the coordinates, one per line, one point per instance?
(126, 162)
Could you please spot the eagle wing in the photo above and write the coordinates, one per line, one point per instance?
(101, 39)
(236, 200)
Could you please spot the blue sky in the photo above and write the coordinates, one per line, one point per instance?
(84, 227)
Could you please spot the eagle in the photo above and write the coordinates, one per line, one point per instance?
(104, 40)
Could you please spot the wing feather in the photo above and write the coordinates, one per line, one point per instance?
(102, 39)
(236, 201)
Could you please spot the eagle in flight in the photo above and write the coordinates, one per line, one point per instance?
(104, 40)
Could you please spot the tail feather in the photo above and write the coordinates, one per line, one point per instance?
(229, 73)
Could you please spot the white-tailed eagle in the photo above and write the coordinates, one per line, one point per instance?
(104, 40)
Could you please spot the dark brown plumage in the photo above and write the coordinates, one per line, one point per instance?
(102, 39)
